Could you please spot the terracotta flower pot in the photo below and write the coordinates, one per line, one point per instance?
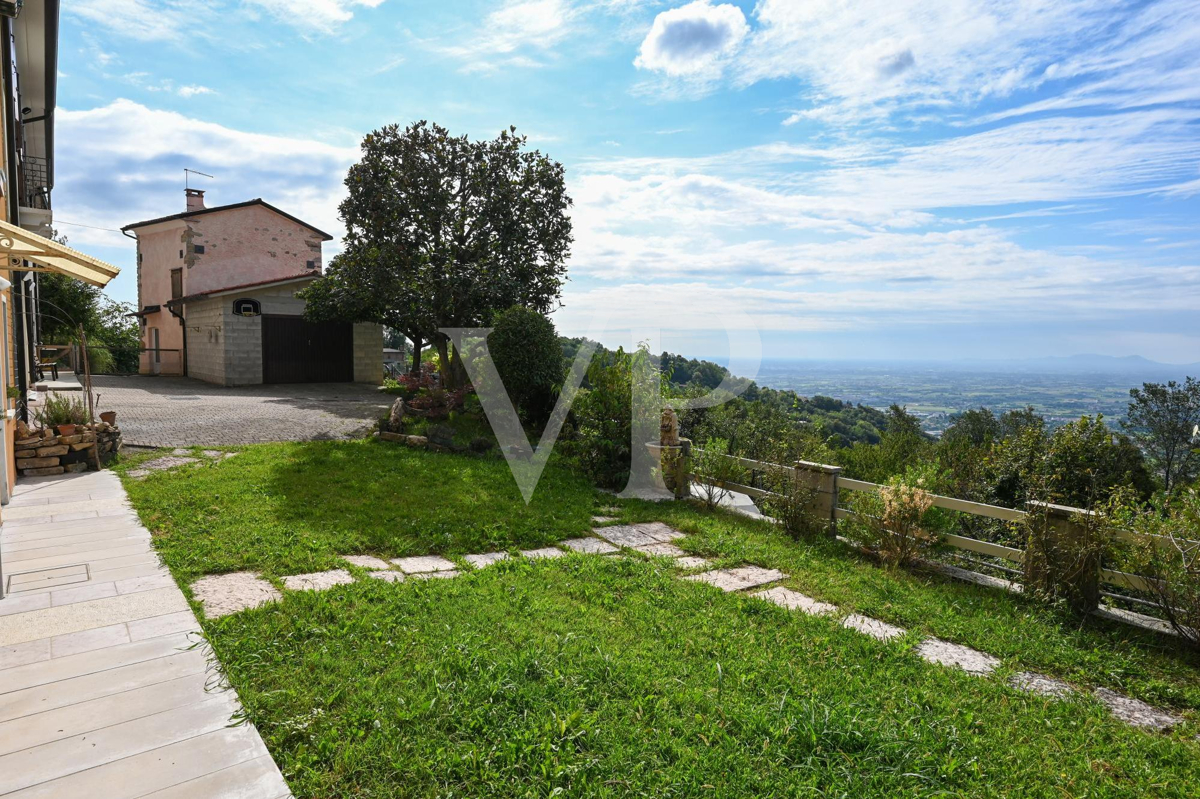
(66, 429)
(109, 417)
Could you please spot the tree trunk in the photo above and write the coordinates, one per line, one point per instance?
(415, 369)
(454, 374)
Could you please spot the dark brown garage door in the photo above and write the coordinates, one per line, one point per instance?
(298, 351)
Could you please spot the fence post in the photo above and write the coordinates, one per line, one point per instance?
(823, 479)
(1063, 555)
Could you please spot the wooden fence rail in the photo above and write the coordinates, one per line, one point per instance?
(829, 484)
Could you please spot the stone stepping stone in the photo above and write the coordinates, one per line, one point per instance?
(1040, 684)
(367, 562)
(390, 576)
(669, 550)
(485, 560)
(317, 581)
(590, 546)
(424, 563)
(166, 462)
(625, 536)
(215, 453)
(738, 579)
(794, 600)
(603, 519)
(223, 594)
(879, 630)
(1136, 712)
(442, 575)
(660, 532)
(544, 553)
(181, 451)
(691, 562)
(944, 653)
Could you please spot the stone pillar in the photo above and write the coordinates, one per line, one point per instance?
(824, 480)
(1063, 555)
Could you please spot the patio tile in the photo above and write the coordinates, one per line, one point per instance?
(317, 581)
(945, 653)
(875, 628)
(222, 594)
(668, 550)
(659, 531)
(757, 575)
(89, 640)
(794, 600)
(388, 576)
(486, 559)
(738, 579)
(545, 553)
(424, 563)
(1136, 712)
(1040, 684)
(24, 654)
(156, 626)
(591, 546)
(367, 562)
(691, 562)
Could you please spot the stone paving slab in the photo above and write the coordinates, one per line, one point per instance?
(1040, 684)
(1136, 712)
(794, 600)
(737, 579)
(222, 594)
(591, 546)
(388, 576)
(486, 559)
(21, 627)
(545, 553)
(659, 531)
(442, 575)
(624, 536)
(665, 550)
(369, 562)
(318, 581)
(692, 562)
(424, 563)
(603, 519)
(945, 653)
(879, 630)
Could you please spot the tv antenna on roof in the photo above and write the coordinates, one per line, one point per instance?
(187, 172)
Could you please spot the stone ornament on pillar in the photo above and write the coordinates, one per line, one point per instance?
(674, 455)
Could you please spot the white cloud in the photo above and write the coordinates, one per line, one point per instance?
(178, 20)
(692, 39)
(143, 152)
(193, 90)
(318, 16)
(507, 34)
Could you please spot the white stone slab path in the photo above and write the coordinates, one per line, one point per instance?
(101, 690)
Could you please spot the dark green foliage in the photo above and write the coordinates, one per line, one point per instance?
(529, 358)
(1164, 419)
(114, 339)
(599, 436)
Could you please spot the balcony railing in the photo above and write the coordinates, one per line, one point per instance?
(35, 183)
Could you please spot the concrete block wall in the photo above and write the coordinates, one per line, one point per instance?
(368, 353)
(206, 340)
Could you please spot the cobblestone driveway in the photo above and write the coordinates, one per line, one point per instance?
(179, 411)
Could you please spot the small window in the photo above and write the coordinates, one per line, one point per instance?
(311, 264)
(181, 253)
(198, 249)
(176, 283)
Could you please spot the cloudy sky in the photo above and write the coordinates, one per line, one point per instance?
(867, 179)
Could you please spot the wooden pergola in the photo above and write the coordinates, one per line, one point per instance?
(28, 252)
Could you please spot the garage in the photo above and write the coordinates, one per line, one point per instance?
(295, 350)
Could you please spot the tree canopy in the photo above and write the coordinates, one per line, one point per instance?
(443, 231)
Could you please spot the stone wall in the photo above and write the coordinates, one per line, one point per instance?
(43, 452)
(368, 353)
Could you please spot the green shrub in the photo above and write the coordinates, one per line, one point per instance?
(600, 433)
(714, 466)
(792, 504)
(61, 409)
(894, 520)
(525, 348)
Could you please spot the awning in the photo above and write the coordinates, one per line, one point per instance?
(18, 245)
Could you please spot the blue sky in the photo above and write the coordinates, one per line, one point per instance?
(868, 179)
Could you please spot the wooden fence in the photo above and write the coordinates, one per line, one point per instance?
(829, 485)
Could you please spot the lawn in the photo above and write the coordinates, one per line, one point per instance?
(597, 677)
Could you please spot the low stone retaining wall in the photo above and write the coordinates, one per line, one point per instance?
(43, 452)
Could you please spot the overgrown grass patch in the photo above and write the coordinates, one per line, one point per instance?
(589, 676)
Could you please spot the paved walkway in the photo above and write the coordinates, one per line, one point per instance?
(181, 412)
(101, 692)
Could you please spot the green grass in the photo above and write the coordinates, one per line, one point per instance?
(292, 508)
(611, 678)
(592, 677)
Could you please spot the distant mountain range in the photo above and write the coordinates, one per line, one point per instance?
(1089, 364)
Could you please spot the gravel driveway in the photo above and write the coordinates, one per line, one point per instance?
(179, 411)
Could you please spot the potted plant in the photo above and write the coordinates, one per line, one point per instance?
(62, 413)
(108, 417)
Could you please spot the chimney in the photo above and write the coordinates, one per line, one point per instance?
(195, 199)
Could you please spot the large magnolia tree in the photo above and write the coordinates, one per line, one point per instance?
(442, 231)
